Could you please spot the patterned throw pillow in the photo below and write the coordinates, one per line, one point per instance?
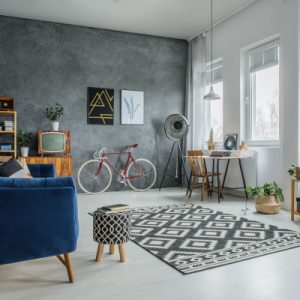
(13, 169)
(23, 164)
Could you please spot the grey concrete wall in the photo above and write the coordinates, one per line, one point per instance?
(42, 63)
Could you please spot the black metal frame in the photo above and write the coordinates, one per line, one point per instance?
(181, 165)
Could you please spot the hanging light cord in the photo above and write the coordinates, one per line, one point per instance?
(211, 41)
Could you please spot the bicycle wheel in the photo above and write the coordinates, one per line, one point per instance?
(89, 181)
(145, 181)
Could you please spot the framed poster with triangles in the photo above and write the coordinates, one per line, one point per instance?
(100, 106)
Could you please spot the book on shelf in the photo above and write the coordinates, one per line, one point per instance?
(5, 147)
(6, 128)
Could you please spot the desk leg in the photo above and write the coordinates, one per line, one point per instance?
(243, 178)
(213, 171)
(225, 174)
(218, 178)
(244, 185)
(292, 199)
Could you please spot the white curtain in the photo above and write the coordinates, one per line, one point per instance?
(196, 110)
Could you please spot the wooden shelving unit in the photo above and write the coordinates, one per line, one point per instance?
(293, 211)
(9, 115)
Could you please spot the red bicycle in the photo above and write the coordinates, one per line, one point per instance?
(95, 175)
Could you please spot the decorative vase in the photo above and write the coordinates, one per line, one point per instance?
(24, 151)
(55, 126)
(267, 204)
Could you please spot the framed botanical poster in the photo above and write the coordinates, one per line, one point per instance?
(100, 106)
(132, 107)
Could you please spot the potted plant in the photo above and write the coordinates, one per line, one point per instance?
(53, 114)
(243, 146)
(24, 138)
(211, 143)
(267, 197)
(294, 171)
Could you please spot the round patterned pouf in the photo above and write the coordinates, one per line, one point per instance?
(111, 229)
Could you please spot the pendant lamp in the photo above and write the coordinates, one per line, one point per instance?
(211, 95)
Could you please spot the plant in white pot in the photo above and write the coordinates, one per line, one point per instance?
(24, 138)
(268, 197)
(53, 114)
(294, 171)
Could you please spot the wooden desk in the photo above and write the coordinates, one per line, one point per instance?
(293, 212)
(228, 159)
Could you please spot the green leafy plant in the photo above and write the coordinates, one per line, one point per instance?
(24, 138)
(267, 190)
(293, 170)
(53, 113)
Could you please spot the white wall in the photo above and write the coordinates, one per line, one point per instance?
(260, 21)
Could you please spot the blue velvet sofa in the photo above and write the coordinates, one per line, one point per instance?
(38, 217)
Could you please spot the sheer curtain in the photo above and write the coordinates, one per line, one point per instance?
(196, 110)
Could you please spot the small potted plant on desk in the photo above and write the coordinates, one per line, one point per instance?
(53, 114)
(243, 146)
(211, 144)
(24, 138)
(268, 197)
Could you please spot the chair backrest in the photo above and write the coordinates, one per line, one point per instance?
(196, 162)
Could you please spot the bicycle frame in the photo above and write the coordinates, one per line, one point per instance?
(119, 172)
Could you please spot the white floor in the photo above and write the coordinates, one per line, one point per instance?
(143, 276)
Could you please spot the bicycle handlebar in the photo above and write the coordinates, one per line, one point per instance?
(101, 153)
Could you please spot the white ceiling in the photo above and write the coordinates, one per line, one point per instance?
(169, 18)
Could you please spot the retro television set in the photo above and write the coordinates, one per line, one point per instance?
(54, 142)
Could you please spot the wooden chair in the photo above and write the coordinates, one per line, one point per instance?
(199, 170)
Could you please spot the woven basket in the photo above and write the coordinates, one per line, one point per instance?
(267, 204)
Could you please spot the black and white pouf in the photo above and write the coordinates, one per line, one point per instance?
(111, 229)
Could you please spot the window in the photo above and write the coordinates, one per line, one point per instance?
(262, 95)
(215, 107)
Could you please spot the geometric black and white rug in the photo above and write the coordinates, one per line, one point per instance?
(191, 238)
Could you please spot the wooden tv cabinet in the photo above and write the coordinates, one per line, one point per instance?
(63, 164)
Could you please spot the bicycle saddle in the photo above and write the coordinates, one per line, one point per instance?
(133, 146)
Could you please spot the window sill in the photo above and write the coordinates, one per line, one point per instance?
(255, 146)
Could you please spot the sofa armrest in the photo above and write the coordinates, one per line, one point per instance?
(42, 170)
(37, 222)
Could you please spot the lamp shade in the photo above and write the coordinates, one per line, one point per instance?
(211, 95)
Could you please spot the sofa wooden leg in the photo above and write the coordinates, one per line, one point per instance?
(61, 259)
(68, 263)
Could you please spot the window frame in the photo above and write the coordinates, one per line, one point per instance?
(250, 99)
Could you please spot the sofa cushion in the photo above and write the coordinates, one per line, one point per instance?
(15, 169)
(10, 168)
